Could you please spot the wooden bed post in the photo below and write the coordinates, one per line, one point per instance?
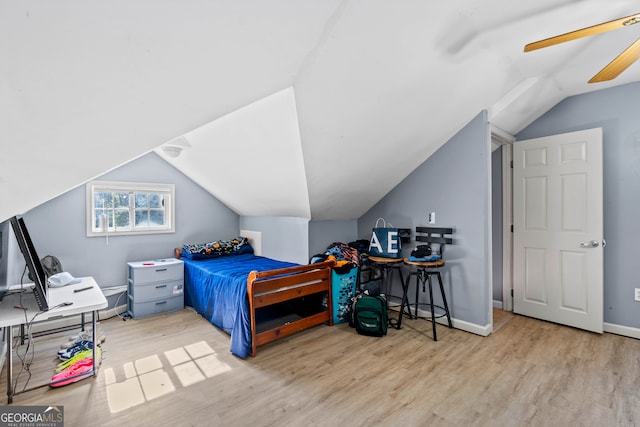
(252, 277)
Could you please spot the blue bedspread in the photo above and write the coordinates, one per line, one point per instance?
(217, 289)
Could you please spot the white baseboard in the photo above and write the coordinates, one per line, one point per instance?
(497, 304)
(108, 314)
(114, 290)
(625, 331)
(486, 330)
(463, 325)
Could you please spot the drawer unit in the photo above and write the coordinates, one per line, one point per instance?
(156, 271)
(155, 287)
(155, 290)
(159, 306)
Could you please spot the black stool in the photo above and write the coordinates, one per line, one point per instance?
(424, 270)
(388, 266)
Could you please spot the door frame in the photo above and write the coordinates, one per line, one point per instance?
(506, 141)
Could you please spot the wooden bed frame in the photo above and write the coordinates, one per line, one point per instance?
(271, 287)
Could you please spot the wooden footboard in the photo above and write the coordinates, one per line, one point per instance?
(276, 286)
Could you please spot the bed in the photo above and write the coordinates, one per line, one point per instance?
(253, 298)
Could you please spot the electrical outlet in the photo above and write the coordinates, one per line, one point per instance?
(432, 218)
(637, 294)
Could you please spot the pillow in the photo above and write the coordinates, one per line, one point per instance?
(237, 246)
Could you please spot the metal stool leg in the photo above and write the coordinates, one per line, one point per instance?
(418, 277)
(386, 279)
(387, 284)
(424, 277)
(433, 311)
(406, 293)
(444, 299)
(405, 298)
(402, 304)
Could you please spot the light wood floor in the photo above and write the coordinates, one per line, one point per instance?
(529, 373)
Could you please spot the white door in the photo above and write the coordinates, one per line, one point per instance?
(558, 232)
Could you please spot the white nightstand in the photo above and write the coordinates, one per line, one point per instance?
(155, 287)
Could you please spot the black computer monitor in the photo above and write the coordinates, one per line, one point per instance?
(33, 262)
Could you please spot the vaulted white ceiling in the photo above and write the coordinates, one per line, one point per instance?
(319, 107)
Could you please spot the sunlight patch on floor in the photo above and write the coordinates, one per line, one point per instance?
(156, 383)
(146, 379)
(212, 366)
(198, 349)
(148, 364)
(177, 356)
(188, 373)
(124, 395)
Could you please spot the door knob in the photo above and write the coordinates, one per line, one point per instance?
(590, 244)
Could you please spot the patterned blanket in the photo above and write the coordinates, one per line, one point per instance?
(237, 246)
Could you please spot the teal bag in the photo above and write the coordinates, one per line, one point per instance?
(370, 315)
(385, 241)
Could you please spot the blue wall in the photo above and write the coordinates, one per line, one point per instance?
(58, 226)
(617, 112)
(454, 183)
(324, 233)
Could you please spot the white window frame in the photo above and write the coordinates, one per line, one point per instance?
(166, 190)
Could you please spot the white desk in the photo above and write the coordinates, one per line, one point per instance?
(90, 300)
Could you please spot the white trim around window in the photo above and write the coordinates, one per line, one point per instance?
(123, 208)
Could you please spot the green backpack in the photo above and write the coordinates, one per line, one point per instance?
(370, 315)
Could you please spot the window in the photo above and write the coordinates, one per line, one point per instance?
(115, 208)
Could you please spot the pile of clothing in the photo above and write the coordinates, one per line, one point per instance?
(343, 253)
(76, 360)
(423, 253)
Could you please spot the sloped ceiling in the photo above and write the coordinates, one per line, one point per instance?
(230, 153)
(307, 98)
